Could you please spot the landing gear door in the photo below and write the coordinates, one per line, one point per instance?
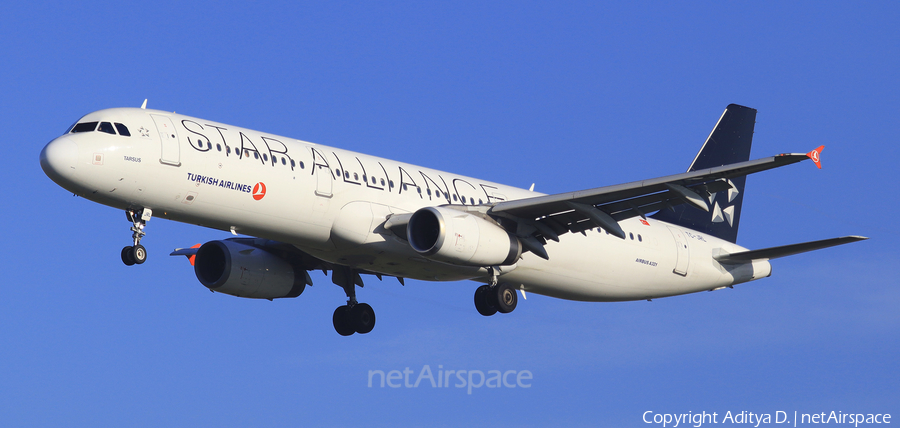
(168, 138)
(682, 252)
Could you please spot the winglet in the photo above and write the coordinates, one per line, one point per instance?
(190, 253)
(814, 155)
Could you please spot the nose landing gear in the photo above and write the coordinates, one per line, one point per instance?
(136, 254)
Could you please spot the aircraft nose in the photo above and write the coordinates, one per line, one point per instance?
(58, 159)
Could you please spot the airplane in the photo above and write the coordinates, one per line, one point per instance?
(295, 206)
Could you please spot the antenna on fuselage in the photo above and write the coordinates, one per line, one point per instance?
(144, 105)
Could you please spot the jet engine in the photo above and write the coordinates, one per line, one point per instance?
(245, 271)
(461, 238)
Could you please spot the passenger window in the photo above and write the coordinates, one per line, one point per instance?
(355, 176)
(283, 161)
(472, 201)
(107, 128)
(123, 130)
(454, 197)
(631, 235)
(265, 157)
(382, 182)
(256, 155)
(85, 127)
(218, 147)
(639, 238)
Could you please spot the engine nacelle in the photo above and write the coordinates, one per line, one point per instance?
(461, 238)
(244, 271)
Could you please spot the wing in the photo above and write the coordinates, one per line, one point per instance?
(547, 217)
(291, 254)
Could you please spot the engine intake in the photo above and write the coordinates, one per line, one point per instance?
(461, 238)
(244, 271)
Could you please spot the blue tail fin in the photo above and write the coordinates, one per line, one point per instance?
(728, 143)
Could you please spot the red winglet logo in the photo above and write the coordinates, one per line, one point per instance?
(259, 190)
(191, 258)
(814, 155)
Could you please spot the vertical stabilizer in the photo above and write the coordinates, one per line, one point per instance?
(728, 143)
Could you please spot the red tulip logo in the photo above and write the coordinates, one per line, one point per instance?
(259, 191)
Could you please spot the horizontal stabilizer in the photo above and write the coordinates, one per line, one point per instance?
(786, 250)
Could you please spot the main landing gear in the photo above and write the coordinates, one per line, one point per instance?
(136, 254)
(353, 317)
(492, 299)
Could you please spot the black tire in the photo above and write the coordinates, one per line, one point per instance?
(363, 317)
(127, 256)
(482, 301)
(139, 254)
(506, 298)
(340, 318)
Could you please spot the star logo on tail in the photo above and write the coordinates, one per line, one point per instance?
(720, 214)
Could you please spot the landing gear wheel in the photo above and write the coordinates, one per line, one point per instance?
(341, 320)
(363, 318)
(136, 254)
(506, 298)
(483, 301)
(128, 256)
(139, 254)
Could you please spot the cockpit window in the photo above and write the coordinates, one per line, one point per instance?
(84, 127)
(123, 130)
(107, 128)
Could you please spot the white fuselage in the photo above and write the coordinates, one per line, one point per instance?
(331, 203)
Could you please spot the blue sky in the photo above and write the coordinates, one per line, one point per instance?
(567, 96)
